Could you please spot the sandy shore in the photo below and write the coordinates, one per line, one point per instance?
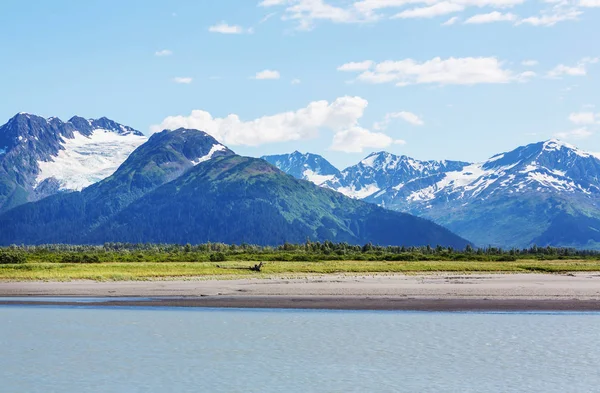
(576, 292)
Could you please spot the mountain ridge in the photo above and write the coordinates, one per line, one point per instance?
(40, 157)
(68, 217)
(509, 200)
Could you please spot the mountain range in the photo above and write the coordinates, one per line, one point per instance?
(545, 193)
(95, 180)
(184, 186)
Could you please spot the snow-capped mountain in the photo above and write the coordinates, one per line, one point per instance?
(545, 193)
(158, 195)
(311, 167)
(381, 170)
(544, 167)
(512, 199)
(376, 172)
(40, 156)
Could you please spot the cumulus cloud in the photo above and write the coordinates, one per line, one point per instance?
(164, 52)
(341, 117)
(589, 3)
(295, 81)
(267, 74)
(580, 69)
(224, 28)
(356, 139)
(356, 66)
(183, 79)
(494, 16)
(408, 117)
(450, 71)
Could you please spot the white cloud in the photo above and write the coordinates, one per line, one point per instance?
(356, 66)
(267, 17)
(267, 74)
(340, 117)
(305, 13)
(450, 71)
(295, 81)
(578, 133)
(552, 18)
(369, 6)
(451, 21)
(408, 117)
(529, 63)
(580, 69)
(183, 79)
(356, 139)
(224, 28)
(164, 52)
(442, 8)
(269, 3)
(582, 118)
(494, 16)
(525, 76)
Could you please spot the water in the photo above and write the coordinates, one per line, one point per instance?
(86, 349)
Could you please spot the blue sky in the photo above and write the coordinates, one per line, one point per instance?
(427, 78)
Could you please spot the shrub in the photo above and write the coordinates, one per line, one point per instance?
(11, 257)
(507, 258)
(75, 258)
(218, 257)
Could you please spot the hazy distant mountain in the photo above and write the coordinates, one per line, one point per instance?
(513, 199)
(311, 167)
(545, 193)
(382, 170)
(39, 157)
(183, 186)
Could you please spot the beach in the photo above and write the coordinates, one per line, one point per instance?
(425, 292)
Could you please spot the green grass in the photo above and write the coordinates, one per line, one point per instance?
(120, 271)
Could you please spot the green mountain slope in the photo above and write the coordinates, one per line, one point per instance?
(239, 199)
(70, 217)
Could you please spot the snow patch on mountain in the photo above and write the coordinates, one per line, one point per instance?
(315, 177)
(209, 155)
(360, 193)
(85, 160)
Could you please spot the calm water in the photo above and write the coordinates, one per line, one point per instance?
(65, 349)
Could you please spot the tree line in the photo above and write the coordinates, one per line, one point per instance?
(308, 251)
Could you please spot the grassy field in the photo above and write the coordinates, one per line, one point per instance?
(120, 271)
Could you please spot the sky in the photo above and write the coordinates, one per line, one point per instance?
(431, 79)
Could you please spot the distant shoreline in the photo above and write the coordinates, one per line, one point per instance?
(343, 303)
(432, 292)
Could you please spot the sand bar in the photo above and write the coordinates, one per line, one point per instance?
(435, 292)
